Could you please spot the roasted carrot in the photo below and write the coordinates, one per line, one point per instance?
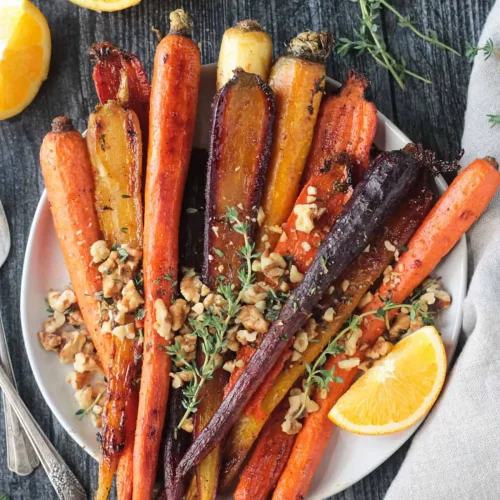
(360, 277)
(298, 82)
(312, 439)
(241, 133)
(458, 208)
(454, 213)
(346, 124)
(386, 184)
(246, 46)
(332, 189)
(268, 459)
(67, 172)
(239, 151)
(109, 63)
(174, 96)
(325, 194)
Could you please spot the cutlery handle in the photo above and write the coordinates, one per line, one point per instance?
(21, 457)
(63, 480)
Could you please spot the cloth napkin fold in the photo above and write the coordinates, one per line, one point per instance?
(456, 453)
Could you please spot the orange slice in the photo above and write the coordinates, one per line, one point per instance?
(106, 5)
(24, 55)
(398, 390)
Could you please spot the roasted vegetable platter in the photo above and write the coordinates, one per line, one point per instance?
(232, 259)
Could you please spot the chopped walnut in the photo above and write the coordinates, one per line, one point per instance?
(379, 349)
(291, 427)
(163, 323)
(295, 400)
(348, 364)
(75, 317)
(50, 341)
(296, 355)
(134, 257)
(84, 397)
(61, 301)
(131, 298)
(253, 319)
(329, 314)
(124, 331)
(110, 264)
(78, 380)
(85, 363)
(256, 293)
(365, 300)
(229, 366)
(295, 275)
(179, 311)
(177, 382)
(54, 323)
(273, 265)
(301, 342)
(198, 309)
(305, 216)
(351, 342)
(191, 288)
(73, 344)
(400, 325)
(244, 337)
(99, 251)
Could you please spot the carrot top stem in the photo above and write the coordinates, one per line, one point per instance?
(181, 23)
(248, 25)
(311, 46)
(62, 124)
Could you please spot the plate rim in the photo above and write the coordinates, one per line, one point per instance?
(29, 344)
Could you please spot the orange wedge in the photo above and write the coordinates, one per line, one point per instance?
(24, 55)
(106, 5)
(398, 390)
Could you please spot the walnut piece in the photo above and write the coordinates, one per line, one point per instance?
(191, 288)
(50, 341)
(74, 342)
(163, 323)
(99, 251)
(179, 311)
(54, 323)
(78, 380)
(85, 363)
(256, 293)
(379, 349)
(252, 319)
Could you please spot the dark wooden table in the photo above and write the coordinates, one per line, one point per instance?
(430, 114)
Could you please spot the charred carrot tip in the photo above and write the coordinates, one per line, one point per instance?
(181, 23)
(312, 46)
(492, 161)
(62, 124)
(355, 77)
(248, 25)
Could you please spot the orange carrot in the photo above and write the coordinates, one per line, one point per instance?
(68, 179)
(460, 206)
(333, 188)
(174, 96)
(346, 124)
(312, 439)
(454, 213)
(268, 459)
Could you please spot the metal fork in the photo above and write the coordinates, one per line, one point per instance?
(21, 457)
(64, 481)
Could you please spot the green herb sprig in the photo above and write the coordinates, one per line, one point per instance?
(212, 329)
(368, 40)
(85, 411)
(488, 50)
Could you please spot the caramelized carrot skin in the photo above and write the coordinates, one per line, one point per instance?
(68, 179)
(347, 123)
(174, 98)
(268, 459)
(333, 187)
(298, 86)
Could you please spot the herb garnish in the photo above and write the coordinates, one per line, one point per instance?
(85, 411)
(488, 49)
(368, 40)
(212, 329)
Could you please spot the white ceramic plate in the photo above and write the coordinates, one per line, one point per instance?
(348, 457)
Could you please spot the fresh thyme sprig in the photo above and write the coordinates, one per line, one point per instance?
(319, 377)
(488, 49)
(493, 119)
(212, 329)
(85, 411)
(368, 40)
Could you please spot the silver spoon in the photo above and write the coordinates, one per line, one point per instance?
(21, 457)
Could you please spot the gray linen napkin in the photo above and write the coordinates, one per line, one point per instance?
(456, 453)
